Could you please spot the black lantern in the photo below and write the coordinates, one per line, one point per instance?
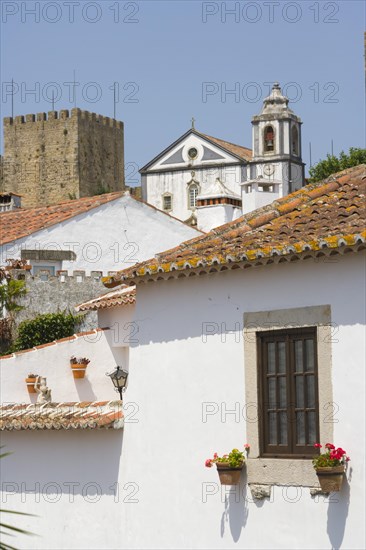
(119, 379)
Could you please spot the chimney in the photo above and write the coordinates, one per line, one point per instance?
(217, 206)
(10, 201)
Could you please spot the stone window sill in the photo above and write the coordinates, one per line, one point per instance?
(263, 473)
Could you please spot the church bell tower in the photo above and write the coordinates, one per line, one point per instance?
(277, 143)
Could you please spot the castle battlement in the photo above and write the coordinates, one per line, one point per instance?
(90, 143)
(62, 292)
(62, 276)
(63, 115)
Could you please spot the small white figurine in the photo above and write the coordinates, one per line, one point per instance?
(44, 393)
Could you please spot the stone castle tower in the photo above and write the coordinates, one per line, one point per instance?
(62, 156)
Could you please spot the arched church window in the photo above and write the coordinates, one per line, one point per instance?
(294, 141)
(193, 191)
(268, 139)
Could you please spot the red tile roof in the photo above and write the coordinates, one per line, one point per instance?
(25, 221)
(238, 150)
(121, 297)
(326, 215)
(56, 416)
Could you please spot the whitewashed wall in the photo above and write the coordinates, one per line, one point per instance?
(212, 216)
(175, 182)
(53, 362)
(185, 373)
(110, 237)
(159, 462)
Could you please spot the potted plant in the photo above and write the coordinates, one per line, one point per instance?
(18, 264)
(229, 466)
(30, 381)
(78, 366)
(330, 467)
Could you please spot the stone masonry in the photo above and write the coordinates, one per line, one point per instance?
(62, 156)
(60, 293)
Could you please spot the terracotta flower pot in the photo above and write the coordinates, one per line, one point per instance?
(78, 369)
(227, 474)
(330, 478)
(30, 384)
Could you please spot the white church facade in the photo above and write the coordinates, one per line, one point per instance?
(206, 181)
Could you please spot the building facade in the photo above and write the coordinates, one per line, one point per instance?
(49, 158)
(92, 234)
(192, 335)
(176, 179)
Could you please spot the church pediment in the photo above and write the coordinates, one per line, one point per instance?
(195, 149)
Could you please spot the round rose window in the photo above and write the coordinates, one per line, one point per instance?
(192, 153)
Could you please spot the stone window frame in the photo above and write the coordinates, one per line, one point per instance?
(286, 471)
(191, 184)
(294, 140)
(170, 195)
(265, 146)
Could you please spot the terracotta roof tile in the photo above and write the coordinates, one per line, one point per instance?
(122, 296)
(66, 339)
(25, 221)
(55, 416)
(329, 214)
(238, 150)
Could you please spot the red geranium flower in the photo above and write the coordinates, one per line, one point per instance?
(317, 445)
(330, 457)
(208, 463)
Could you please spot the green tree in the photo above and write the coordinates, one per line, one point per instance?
(10, 291)
(332, 164)
(45, 328)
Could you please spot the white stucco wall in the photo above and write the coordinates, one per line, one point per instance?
(253, 196)
(175, 182)
(107, 238)
(53, 362)
(214, 215)
(167, 498)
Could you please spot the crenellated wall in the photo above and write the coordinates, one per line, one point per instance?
(47, 294)
(49, 158)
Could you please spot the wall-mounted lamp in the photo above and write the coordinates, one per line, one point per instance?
(119, 379)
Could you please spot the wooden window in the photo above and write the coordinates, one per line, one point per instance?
(167, 202)
(288, 392)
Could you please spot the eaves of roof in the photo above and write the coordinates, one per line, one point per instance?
(327, 217)
(239, 152)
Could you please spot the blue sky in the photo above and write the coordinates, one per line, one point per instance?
(176, 59)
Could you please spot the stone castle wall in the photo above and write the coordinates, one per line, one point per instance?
(62, 156)
(47, 294)
(101, 154)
